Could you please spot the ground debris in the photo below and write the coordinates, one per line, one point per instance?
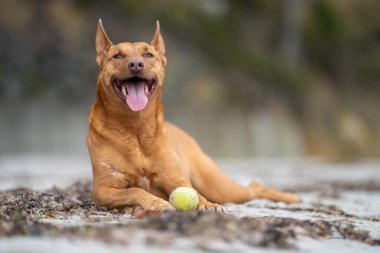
(349, 231)
(228, 228)
(24, 212)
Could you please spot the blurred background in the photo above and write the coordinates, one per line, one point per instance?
(258, 78)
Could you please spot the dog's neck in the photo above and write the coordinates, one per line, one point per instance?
(145, 124)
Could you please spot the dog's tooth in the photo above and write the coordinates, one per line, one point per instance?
(124, 90)
(146, 88)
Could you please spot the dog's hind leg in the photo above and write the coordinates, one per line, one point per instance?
(216, 187)
(213, 184)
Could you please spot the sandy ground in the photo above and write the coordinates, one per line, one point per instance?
(45, 206)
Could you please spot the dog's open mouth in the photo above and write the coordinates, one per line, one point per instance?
(135, 91)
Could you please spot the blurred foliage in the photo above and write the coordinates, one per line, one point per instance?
(340, 41)
(48, 51)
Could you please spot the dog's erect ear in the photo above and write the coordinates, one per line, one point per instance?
(103, 43)
(158, 41)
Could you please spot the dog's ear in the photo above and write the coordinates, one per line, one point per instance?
(158, 41)
(103, 43)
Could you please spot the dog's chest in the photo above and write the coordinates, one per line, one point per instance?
(142, 178)
(141, 162)
(144, 183)
(140, 172)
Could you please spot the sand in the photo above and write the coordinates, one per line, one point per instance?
(46, 206)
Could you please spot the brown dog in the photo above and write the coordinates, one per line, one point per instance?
(138, 159)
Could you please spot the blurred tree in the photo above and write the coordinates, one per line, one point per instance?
(291, 20)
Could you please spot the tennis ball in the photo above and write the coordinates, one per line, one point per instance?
(184, 199)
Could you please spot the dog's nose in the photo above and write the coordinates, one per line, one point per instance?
(136, 65)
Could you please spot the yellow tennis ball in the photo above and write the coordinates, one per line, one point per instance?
(184, 199)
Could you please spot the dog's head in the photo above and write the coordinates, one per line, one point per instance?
(132, 73)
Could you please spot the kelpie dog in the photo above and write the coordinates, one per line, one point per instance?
(138, 158)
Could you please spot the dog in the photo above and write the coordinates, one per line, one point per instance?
(137, 157)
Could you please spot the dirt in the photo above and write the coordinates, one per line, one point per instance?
(27, 212)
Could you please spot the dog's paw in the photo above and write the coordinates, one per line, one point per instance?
(160, 205)
(208, 206)
(136, 211)
(155, 207)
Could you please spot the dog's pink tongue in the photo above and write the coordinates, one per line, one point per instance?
(136, 98)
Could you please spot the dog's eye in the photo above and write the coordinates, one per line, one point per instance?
(117, 56)
(148, 54)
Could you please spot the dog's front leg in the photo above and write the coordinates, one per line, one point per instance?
(114, 198)
(113, 189)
